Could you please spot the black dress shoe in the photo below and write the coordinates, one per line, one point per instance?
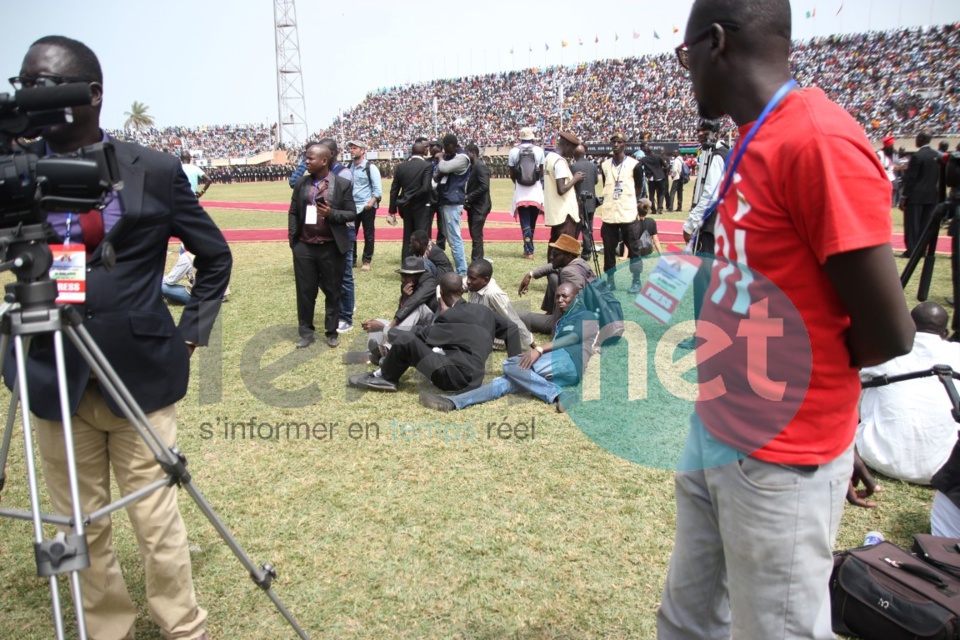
(372, 382)
(303, 343)
(333, 341)
(439, 403)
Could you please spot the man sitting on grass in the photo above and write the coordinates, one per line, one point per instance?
(906, 428)
(542, 371)
(417, 307)
(565, 265)
(485, 291)
(451, 352)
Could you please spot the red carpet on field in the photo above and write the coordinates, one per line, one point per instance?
(669, 230)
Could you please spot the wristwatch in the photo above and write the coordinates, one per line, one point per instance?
(538, 349)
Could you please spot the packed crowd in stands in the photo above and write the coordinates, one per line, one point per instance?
(212, 141)
(893, 82)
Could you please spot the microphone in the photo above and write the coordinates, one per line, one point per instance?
(74, 94)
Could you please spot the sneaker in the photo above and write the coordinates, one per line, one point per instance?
(439, 403)
(333, 342)
(689, 344)
(344, 326)
(365, 266)
(634, 288)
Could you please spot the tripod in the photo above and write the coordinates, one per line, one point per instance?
(942, 371)
(31, 311)
(926, 248)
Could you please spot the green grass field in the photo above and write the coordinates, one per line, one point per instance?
(380, 534)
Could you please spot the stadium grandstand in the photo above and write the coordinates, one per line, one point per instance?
(894, 82)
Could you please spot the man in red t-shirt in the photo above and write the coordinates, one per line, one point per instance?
(804, 261)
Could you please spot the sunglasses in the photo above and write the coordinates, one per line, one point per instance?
(683, 51)
(24, 82)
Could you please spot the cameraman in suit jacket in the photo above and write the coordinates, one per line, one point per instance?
(320, 209)
(125, 315)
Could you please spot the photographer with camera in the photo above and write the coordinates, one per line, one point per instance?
(586, 196)
(125, 315)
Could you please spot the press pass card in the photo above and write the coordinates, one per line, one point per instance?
(69, 269)
(666, 286)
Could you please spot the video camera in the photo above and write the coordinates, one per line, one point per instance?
(31, 185)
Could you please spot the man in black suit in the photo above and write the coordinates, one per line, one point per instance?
(434, 259)
(125, 314)
(919, 190)
(320, 209)
(410, 194)
(463, 333)
(477, 202)
(655, 167)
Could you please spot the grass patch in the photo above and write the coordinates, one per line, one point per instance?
(382, 533)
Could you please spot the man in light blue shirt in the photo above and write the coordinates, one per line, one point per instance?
(195, 175)
(367, 192)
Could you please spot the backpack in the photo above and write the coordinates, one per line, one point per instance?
(527, 172)
(684, 173)
(597, 297)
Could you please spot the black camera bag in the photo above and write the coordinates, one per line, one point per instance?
(875, 600)
(943, 553)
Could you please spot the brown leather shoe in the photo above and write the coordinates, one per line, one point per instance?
(365, 266)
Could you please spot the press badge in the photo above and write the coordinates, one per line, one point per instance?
(666, 286)
(311, 214)
(617, 189)
(69, 270)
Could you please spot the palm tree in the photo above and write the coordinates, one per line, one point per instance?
(137, 117)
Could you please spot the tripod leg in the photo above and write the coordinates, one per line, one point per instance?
(50, 552)
(11, 418)
(173, 463)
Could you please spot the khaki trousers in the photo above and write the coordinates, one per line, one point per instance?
(102, 440)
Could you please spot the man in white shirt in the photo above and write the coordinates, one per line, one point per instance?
(707, 186)
(906, 428)
(560, 209)
(484, 290)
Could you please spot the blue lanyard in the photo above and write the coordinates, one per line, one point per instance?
(777, 98)
(66, 235)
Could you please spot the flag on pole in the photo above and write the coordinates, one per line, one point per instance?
(656, 36)
(675, 30)
(581, 40)
(636, 36)
(616, 36)
(812, 14)
(564, 43)
(840, 9)
(546, 47)
(511, 50)
(529, 47)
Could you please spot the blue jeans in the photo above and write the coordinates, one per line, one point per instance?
(753, 550)
(347, 289)
(451, 220)
(175, 292)
(544, 380)
(528, 224)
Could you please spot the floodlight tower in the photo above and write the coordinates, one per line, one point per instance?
(291, 104)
